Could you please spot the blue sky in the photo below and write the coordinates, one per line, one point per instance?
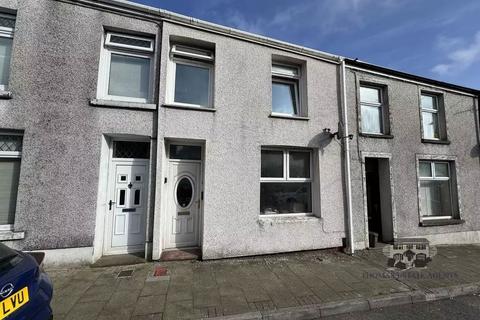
(438, 39)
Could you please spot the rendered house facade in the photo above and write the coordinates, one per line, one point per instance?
(125, 129)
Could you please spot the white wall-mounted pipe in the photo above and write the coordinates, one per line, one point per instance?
(346, 148)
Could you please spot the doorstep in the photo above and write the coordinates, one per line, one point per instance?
(120, 260)
(181, 254)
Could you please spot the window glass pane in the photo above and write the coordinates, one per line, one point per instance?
(11, 142)
(428, 102)
(136, 198)
(272, 164)
(131, 149)
(185, 152)
(299, 163)
(368, 94)
(5, 54)
(284, 98)
(134, 42)
(121, 198)
(184, 192)
(425, 169)
(7, 22)
(192, 84)
(371, 119)
(278, 198)
(435, 198)
(285, 70)
(129, 76)
(9, 175)
(430, 125)
(441, 169)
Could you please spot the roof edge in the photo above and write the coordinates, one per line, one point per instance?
(409, 76)
(150, 12)
(168, 16)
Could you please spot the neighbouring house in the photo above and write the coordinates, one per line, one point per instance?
(126, 128)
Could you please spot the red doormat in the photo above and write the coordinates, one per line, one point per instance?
(159, 271)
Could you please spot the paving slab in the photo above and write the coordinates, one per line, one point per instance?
(288, 286)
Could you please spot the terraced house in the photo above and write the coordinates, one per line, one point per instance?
(125, 128)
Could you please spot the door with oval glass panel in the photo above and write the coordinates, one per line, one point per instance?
(183, 204)
(127, 207)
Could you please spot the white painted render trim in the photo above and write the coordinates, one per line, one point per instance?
(102, 196)
(460, 237)
(56, 258)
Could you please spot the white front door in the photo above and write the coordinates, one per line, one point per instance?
(183, 204)
(127, 207)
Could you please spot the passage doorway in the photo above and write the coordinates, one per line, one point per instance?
(379, 203)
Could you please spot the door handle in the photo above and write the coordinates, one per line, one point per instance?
(110, 203)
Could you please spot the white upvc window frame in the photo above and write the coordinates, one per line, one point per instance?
(109, 48)
(200, 58)
(380, 105)
(10, 155)
(286, 177)
(435, 178)
(281, 74)
(6, 32)
(432, 111)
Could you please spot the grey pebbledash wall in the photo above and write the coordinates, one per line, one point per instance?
(461, 121)
(233, 136)
(54, 72)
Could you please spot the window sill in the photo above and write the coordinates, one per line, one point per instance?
(376, 136)
(286, 116)
(7, 95)
(442, 222)
(122, 104)
(433, 141)
(11, 235)
(279, 219)
(178, 106)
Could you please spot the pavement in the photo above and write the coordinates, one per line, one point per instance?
(306, 285)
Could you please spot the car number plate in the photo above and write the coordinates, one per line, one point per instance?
(13, 303)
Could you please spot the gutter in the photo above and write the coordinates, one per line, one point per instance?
(152, 13)
(408, 77)
(346, 148)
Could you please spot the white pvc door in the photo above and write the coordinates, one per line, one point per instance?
(183, 204)
(127, 208)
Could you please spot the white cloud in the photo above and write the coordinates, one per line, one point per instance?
(448, 43)
(326, 17)
(238, 21)
(460, 57)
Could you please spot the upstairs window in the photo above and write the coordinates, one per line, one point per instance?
(373, 115)
(286, 182)
(285, 90)
(7, 26)
(432, 116)
(125, 70)
(190, 80)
